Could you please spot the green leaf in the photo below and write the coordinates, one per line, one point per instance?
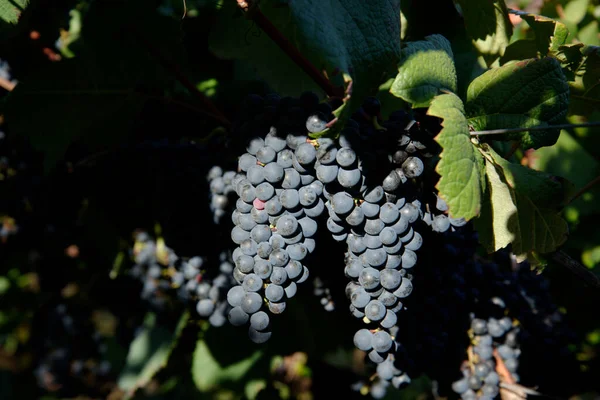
(589, 34)
(10, 10)
(233, 36)
(149, 353)
(426, 68)
(572, 161)
(353, 37)
(208, 373)
(522, 94)
(494, 45)
(480, 17)
(521, 209)
(460, 167)
(585, 87)
(360, 39)
(575, 10)
(549, 33)
(520, 50)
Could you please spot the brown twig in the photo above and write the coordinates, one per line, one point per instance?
(584, 189)
(212, 110)
(562, 258)
(502, 370)
(289, 49)
(6, 84)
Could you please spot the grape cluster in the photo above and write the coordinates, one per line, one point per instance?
(493, 341)
(168, 278)
(221, 192)
(279, 200)
(71, 352)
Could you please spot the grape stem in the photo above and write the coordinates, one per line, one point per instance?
(254, 13)
(502, 370)
(172, 68)
(534, 128)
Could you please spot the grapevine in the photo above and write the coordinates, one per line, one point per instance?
(251, 200)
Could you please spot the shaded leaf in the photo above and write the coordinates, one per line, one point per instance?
(460, 167)
(521, 209)
(494, 45)
(549, 33)
(208, 373)
(426, 67)
(585, 85)
(480, 17)
(520, 50)
(149, 353)
(357, 38)
(523, 94)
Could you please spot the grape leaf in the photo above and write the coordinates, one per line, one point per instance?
(10, 10)
(493, 46)
(208, 373)
(426, 67)
(585, 88)
(354, 38)
(521, 94)
(149, 353)
(575, 10)
(235, 37)
(480, 17)
(460, 167)
(522, 209)
(571, 160)
(549, 33)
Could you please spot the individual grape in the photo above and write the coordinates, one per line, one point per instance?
(306, 154)
(263, 269)
(413, 167)
(342, 203)
(265, 155)
(259, 321)
(375, 310)
(279, 257)
(237, 316)
(258, 337)
(389, 213)
(348, 177)
(382, 341)
(274, 292)
(205, 307)
(251, 302)
(289, 198)
(363, 340)
(252, 283)
(279, 276)
(390, 279)
(345, 157)
(287, 225)
(315, 123)
(273, 172)
(369, 278)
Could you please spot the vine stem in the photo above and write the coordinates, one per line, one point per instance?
(576, 268)
(212, 110)
(534, 128)
(584, 189)
(254, 13)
